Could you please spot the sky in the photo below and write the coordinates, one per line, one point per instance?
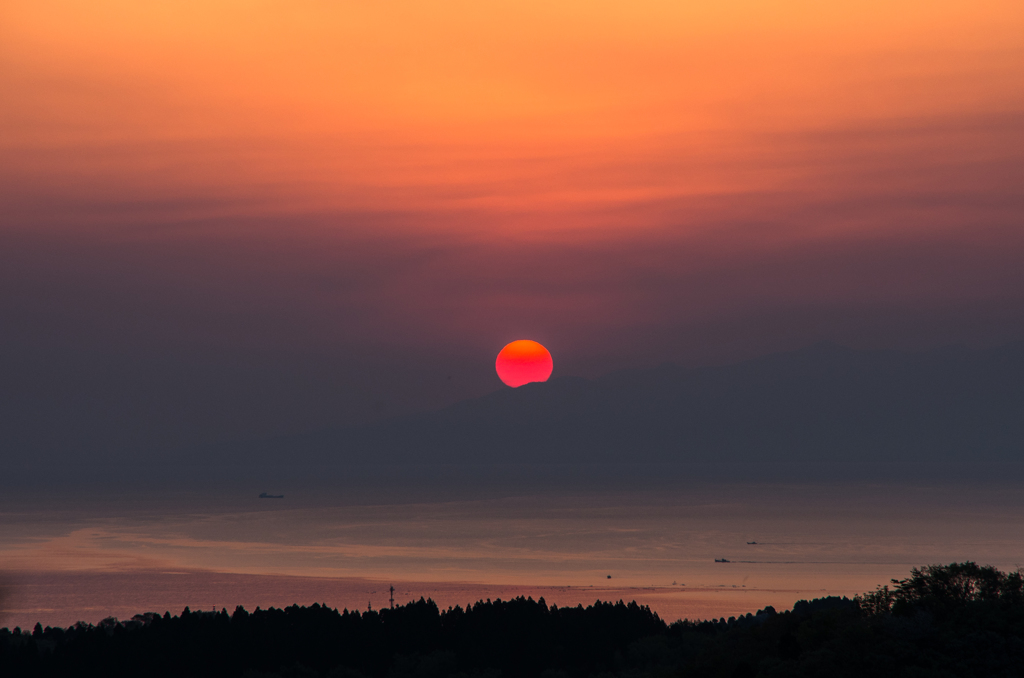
(238, 219)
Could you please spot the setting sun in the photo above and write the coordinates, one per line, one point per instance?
(522, 362)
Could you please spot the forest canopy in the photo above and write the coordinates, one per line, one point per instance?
(960, 619)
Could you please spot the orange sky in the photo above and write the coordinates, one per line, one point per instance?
(518, 115)
(355, 201)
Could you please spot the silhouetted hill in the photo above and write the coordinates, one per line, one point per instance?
(820, 404)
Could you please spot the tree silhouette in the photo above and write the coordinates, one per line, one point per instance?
(943, 620)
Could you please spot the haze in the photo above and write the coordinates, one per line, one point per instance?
(256, 218)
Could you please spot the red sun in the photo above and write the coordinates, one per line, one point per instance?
(522, 362)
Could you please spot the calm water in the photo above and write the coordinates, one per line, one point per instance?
(68, 557)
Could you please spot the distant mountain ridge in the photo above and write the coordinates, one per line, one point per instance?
(824, 403)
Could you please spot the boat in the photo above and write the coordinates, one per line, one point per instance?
(721, 560)
(751, 542)
(264, 495)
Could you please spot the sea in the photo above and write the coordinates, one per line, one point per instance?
(687, 547)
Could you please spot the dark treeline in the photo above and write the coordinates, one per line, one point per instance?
(953, 620)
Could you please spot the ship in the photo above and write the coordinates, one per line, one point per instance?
(264, 495)
(721, 560)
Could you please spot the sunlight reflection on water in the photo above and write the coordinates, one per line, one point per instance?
(79, 557)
